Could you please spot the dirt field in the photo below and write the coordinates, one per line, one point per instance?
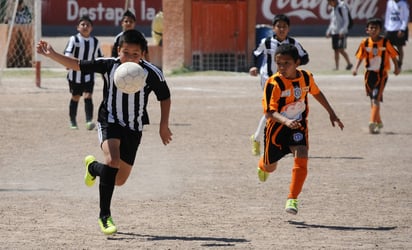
(201, 191)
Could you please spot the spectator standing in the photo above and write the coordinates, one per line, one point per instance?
(338, 30)
(396, 25)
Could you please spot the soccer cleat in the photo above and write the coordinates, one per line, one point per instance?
(107, 226)
(73, 125)
(255, 146)
(90, 125)
(374, 128)
(291, 206)
(349, 66)
(263, 176)
(89, 179)
(380, 125)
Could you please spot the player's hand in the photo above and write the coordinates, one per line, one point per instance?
(165, 134)
(397, 71)
(44, 48)
(293, 124)
(354, 72)
(334, 119)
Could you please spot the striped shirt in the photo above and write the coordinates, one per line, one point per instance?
(127, 110)
(84, 49)
(377, 54)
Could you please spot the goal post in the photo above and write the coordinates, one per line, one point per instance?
(20, 29)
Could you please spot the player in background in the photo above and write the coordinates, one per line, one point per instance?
(396, 25)
(121, 117)
(128, 22)
(267, 48)
(285, 104)
(377, 52)
(82, 46)
(338, 30)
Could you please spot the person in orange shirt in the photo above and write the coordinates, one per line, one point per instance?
(377, 52)
(285, 104)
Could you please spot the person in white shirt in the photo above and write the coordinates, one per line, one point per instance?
(338, 30)
(396, 25)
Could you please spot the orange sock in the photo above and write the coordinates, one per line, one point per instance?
(375, 116)
(299, 173)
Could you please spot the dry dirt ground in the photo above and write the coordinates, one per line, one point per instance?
(201, 191)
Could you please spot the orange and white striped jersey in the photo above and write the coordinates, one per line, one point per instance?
(377, 54)
(289, 96)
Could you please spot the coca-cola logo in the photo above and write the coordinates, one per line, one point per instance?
(317, 9)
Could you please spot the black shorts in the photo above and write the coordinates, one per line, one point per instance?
(80, 88)
(375, 84)
(279, 138)
(392, 36)
(339, 42)
(129, 139)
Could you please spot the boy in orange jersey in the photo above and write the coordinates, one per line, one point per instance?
(376, 50)
(285, 104)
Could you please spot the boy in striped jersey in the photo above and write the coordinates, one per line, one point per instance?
(377, 52)
(285, 104)
(121, 116)
(267, 48)
(82, 46)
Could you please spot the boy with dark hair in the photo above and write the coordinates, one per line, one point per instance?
(285, 104)
(267, 48)
(121, 117)
(82, 46)
(377, 52)
(128, 22)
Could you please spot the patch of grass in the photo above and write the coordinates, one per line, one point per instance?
(27, 72)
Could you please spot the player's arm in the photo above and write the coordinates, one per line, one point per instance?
(164, 131)
(332, 116)
(45, 49)
(293, 124)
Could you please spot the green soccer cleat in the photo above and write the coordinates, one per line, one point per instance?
(263, 176)
(107, 226)
(73, 125)
(89, 179)
(292, 206)
(255, 146)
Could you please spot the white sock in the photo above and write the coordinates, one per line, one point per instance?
(259, 131)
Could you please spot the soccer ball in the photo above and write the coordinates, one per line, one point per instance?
(130, 77)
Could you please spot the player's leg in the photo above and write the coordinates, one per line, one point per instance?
(257, 136)
(272, 151)
(76, 91)
(299, 173)
(335, 47)
(342, 47)
(88, 105)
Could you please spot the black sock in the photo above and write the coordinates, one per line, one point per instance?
(73, 110)
(95, 168)
(106, 189)
(88, 108)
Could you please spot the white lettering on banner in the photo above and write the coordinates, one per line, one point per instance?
(74, 12)
(305, 9)
(146, 14)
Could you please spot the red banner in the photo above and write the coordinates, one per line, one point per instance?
(307, 12)
(102, 13)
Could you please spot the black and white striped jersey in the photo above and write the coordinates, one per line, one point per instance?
(84, 49)
(127, 110)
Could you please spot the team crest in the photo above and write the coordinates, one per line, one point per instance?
(297, 137)
(297, 92)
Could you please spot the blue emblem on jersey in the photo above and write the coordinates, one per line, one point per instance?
(297, 92)
(297, 137)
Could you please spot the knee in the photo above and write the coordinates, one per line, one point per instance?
(120, 181)
(269, 168)
(112, 162)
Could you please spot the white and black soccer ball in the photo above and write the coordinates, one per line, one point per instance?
(130, 77)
